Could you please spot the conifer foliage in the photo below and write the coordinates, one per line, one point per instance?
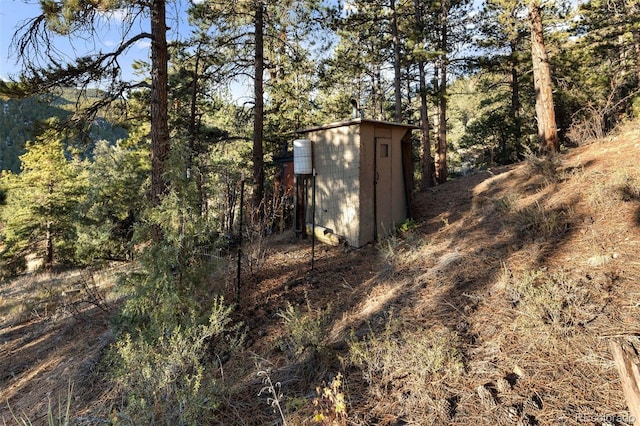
(40, 213)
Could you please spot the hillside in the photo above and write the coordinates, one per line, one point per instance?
(497, 307)
(21, 118)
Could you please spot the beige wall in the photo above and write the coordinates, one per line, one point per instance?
(337, 163)
(367, 136)
(399, 199)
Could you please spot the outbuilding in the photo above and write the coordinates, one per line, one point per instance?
(364, 177)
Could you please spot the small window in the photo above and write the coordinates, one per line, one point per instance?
(384, 150)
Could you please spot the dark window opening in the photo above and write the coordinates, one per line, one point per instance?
(384, 150)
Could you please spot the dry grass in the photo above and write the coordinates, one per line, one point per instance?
(496, 308)
(54, 330)
(400, 360)
(57, 295)
(503, 316)
(530, 281)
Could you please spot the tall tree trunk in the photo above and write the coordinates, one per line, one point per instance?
(408, 82)
(374, 94)
(378, 94)
(436, 120)
(547, 129)
(636, 44)
(441, 152)
(258, 111)
(396, 63)
(515, 95)
(48, 258)
(425, 137)
(193, 131)
(515, 98)
(159, 107)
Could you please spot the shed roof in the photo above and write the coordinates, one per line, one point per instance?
(353, 122)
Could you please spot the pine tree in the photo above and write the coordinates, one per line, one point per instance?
(42, 204)
(262, 39)
(505, 65)
(450, 17)
(421, 55)
(44, 70)
(545, 113)
(611, 29)
(361, 55)
(113, 202)
(600, 66)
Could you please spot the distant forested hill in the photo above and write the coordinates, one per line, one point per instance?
(19, 120)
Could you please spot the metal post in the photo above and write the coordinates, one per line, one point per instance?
(240, 240)
(300, 226)
(313, 219)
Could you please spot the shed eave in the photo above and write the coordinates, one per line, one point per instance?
(354, 122)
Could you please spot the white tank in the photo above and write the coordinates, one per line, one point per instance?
(302, 157)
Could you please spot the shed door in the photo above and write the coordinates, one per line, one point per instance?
(383, 187)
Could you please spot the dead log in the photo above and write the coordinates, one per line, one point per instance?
(625, 355)
(326, 235)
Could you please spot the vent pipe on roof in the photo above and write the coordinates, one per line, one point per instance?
(355, 111)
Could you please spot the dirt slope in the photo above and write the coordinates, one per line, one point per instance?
(53, 331)
(533, 268)
(527, 270)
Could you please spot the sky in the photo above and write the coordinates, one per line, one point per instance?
(15, 12)
(11, 13)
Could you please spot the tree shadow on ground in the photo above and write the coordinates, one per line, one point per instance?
(631, 193)
(42, 348)
(441, 204)
(480, 236)
(467, 232)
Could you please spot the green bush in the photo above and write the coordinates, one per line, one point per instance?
(171, 378)
(302, 331)
(413, 355)
(550, 300)
(407, 225)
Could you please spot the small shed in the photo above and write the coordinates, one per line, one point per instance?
(364, 178)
